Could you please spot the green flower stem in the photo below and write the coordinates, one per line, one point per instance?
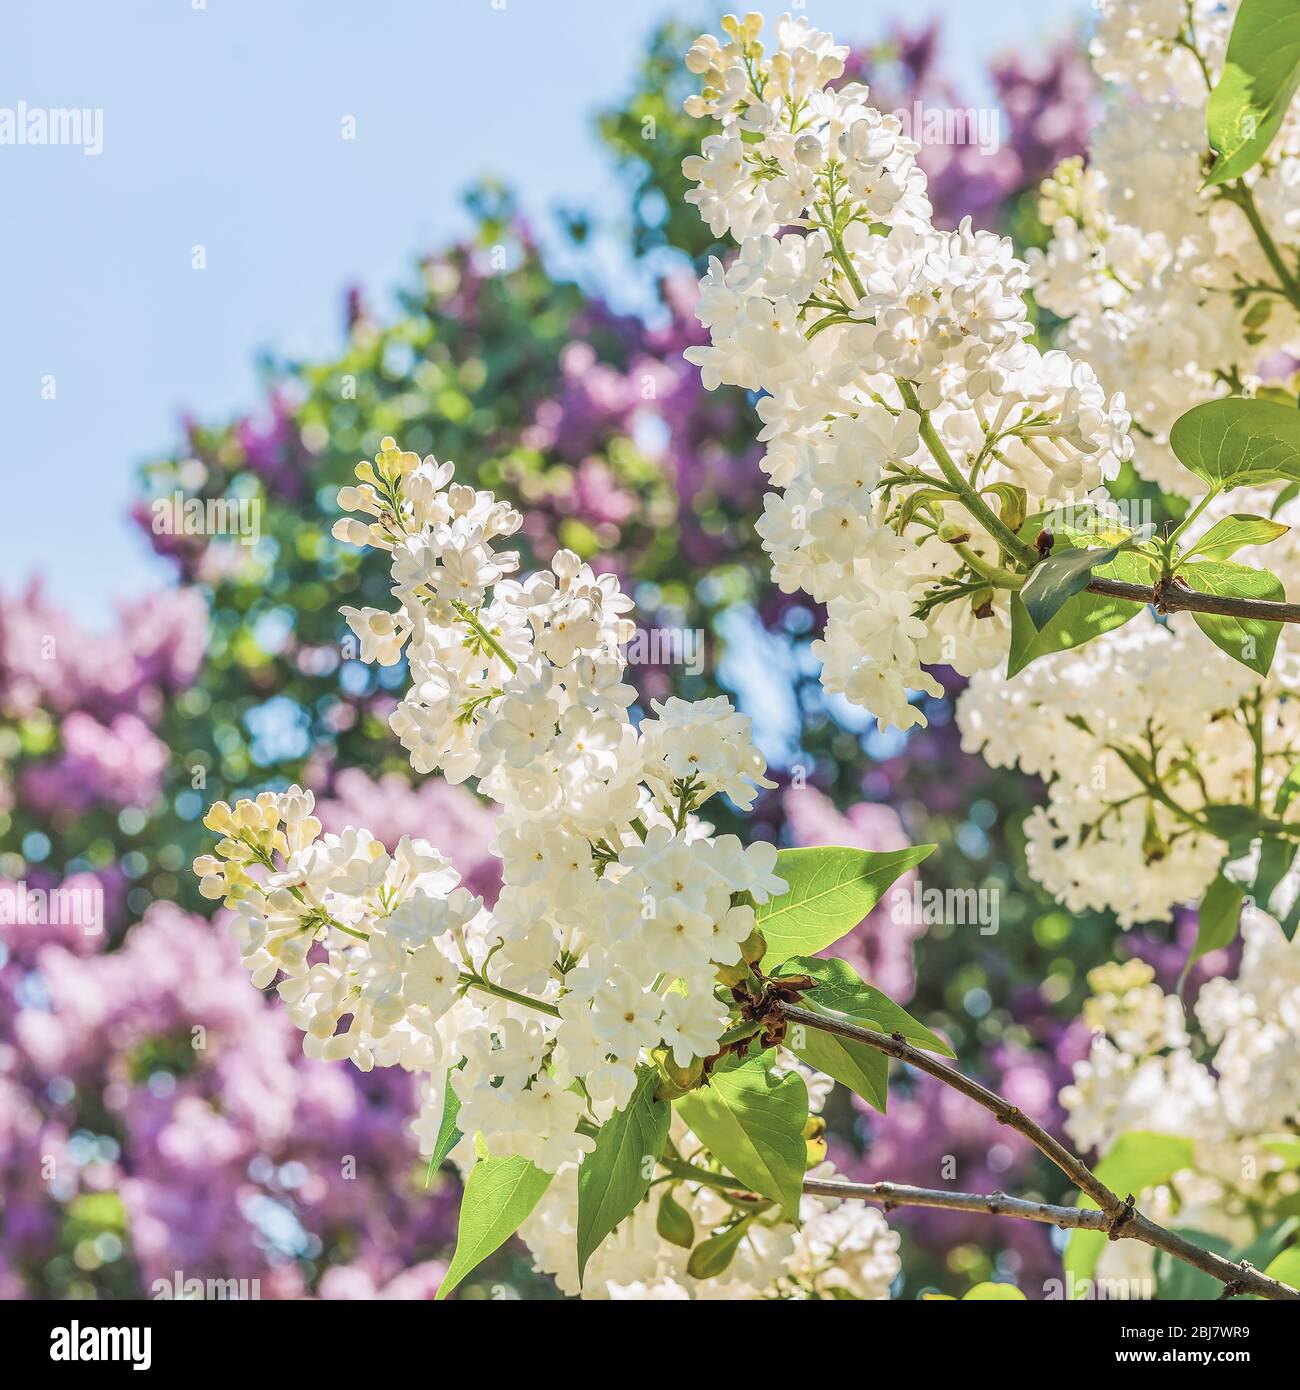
(999, 578)
(500, 992)
(970, 498)
(840, 252)
(485, 636)
(1156, 792)
(1240, 194)
(1189, 518)
(973, 502)
(706, 1177)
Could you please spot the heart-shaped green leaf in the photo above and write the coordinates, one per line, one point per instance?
(831, 890)
(1234, 442)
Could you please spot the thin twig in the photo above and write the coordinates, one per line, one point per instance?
(1120, 1220)
(897, 1194)
(1174, 598)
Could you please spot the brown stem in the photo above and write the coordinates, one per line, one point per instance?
(897, 1194)
(1119, 1219)
(1174, 598)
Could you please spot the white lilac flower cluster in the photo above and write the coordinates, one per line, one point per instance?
(1230, 1088)
(1135, 735)
(1167, 287)
(905, 414)
(1160, 281)
(618, 906)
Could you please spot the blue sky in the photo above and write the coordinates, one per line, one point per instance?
(222, 128)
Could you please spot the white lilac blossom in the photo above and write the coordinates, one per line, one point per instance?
(1136, 734)
(1168, 287)
(1227, 1085)
(910, 426)
(618, 905)
(1172, 288)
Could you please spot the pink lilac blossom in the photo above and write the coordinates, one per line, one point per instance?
(116, 764)
(49, 662)
(236, 1157)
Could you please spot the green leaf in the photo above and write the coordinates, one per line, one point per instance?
(1286, 1146)
(674, 1222)
(752, 1122)
(831, 890)
(1137, 1160)
(710, 1257)
(1291, 921)
(1143, 1158)
(1217, 919)
(1080, 618)
(1226, 537)
(615, 1176)
(1058, 577)
(1259, 78)
(1275, 859)
(499, 1197)
(1236, 824)
(1286, 1267)
(448, 1135)
(1268, 1244)
(841, 994)
(1234, 442)
(1287, 494)
(1251, 641)
(993, 1293)
(1288, 791)
(1012, 504)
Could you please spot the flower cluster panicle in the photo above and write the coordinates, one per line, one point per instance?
(1227, 1084)
(911, 428)
(1184, 293)
(622, 919)
(1142, 738)
(1181, 291)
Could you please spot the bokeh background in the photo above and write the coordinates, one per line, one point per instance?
(499, 269)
